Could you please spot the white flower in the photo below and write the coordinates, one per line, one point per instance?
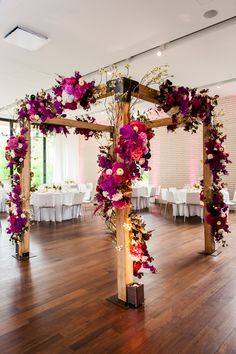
(105, 194)
(20, 145)
(223, 215)
(59, 98)
(135, 128)
(217, 141)
(81, 82)
(210, 156)
(120, 171)
(218, 223)
(28, 106)
(117, 196)
(22, 216)
(109, 172)
(220, 231)
(20, 159)
(13, 154)
(144, 258)
(215, 149)
(67, 98)
(36, 117)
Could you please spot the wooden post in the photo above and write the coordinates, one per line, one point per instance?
(207, 181)
(24, 246)
(124, 261)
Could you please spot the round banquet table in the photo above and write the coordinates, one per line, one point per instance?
(55, 206)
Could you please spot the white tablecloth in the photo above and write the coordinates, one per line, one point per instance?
(55, 206)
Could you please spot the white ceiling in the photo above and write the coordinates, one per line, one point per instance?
(87, 35)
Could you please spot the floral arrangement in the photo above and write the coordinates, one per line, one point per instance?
(73, 91)
(133, 153)
(16, 149)
(138, 247)
(114, 186)
(52, 128)
(18, 219)
(85, 132)
(217, 159)
(38, 108)
(186, 106)
(70, 93)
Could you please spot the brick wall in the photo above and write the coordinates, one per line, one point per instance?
(177, 157)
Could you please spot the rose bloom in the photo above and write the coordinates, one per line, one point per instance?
(136, 154)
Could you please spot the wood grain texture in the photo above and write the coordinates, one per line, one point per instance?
(24, 246)
(77, 124)
(124, 261)
(56, 303)
(207, 183)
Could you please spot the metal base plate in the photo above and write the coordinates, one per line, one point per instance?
(214, 254)
(25, 256)
(114, 300)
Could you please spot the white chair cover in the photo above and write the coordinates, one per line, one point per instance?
(192, 206)
(77, 202)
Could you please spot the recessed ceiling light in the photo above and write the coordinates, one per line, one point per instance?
(109, 73)
(210, 14)
(159, 53)
(26, 39)
(218, 86)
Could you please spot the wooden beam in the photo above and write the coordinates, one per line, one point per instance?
(146, 93)
(24, 246)
(124, 261)
(78, 124)
(162, 122)
(207, 182)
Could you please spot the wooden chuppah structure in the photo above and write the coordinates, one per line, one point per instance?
(124, 90)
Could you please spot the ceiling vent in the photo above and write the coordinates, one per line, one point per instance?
(26, 39)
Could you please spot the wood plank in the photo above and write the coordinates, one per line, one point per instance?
(57, 301)
(124, 261)
(77, 124)
(207, 182)
(146, 93)
(162, 122)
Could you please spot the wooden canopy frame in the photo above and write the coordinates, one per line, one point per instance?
(128, 88)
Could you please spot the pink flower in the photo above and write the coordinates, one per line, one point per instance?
(120, 204)
(136, 154)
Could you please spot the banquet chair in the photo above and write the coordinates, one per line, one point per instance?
(232, 203)
(150, 197)
(77, 203)
(67, 205)
(88, 196)
(172, 199)
(192, 206)
(162, 200)
(43, 202)
(136, 198)
(172, 189)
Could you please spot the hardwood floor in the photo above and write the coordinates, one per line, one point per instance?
(56, 302)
